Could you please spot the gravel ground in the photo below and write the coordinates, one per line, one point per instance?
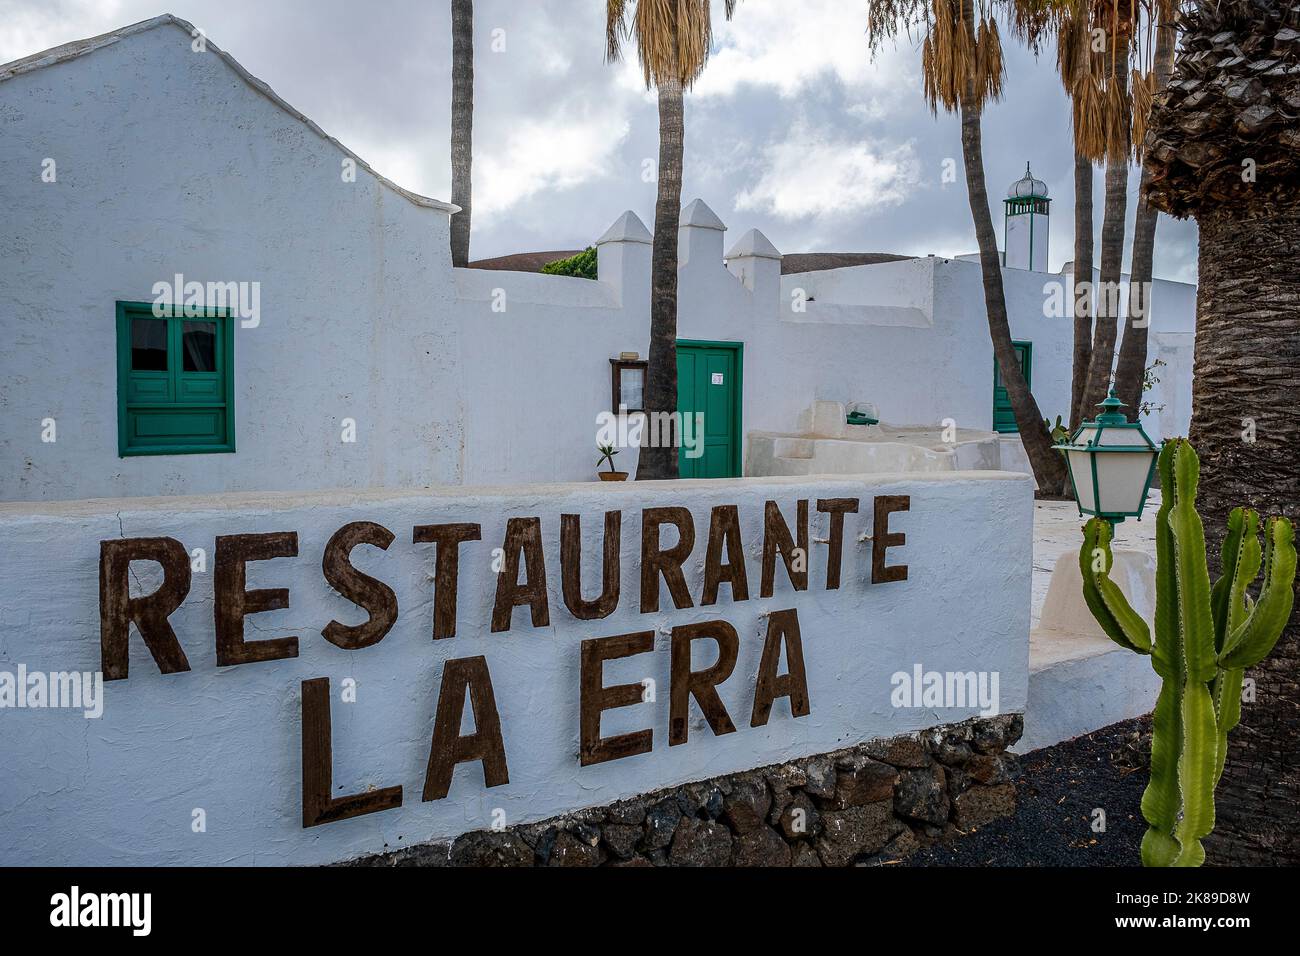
(1056, 795)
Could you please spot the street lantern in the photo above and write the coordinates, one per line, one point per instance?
(1112, 462)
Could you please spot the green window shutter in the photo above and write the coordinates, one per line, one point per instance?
(175, 382)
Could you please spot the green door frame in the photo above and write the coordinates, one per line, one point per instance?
(737, 419)
(1027, 367)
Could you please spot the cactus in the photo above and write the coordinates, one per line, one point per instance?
(1205, 638)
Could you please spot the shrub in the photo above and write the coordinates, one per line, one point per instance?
(581, 266)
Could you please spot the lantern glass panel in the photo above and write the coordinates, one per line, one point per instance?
(1081, 471)
(1121, 480)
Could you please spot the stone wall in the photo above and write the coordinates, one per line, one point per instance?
(870, 803)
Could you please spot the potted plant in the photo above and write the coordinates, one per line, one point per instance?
(607, 453)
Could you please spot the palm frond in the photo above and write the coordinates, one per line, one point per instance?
(673, 37)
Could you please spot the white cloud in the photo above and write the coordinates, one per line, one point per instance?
(768, 43)
(31, 28)
(812, 175)
(557, 151)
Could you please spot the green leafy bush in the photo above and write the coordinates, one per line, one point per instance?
(581, 266)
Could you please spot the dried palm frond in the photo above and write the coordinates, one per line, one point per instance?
(1104, 47)
(1143, 87)
(673, 37)
(991, 70)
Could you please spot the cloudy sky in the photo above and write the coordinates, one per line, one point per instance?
(793, 128)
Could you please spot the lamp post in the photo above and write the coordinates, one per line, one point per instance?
(1111, 462)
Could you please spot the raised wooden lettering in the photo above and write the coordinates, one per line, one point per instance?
(782, 627)
(370, 594)
(776, 538)
(448, 747)
(882, 539)
(319, 805)
(571, 567)
(234, 602)
(446, 570)
(702, 685)
(656, 561)
(523, 536)
(837, 508)
(117, 609)
(596, 698)
(724, 530)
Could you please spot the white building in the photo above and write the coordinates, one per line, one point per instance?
(338, 348)
(201, 293)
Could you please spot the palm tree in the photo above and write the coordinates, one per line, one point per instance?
(1093, 51)
(1111, 271)
(1097, 42)
(1083, 248)
(1072, 49)
(462, 125)
(1222, 147)
(673, 39)
(961, 64)
(1131, 367)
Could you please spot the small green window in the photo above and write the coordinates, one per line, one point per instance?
(175, 381)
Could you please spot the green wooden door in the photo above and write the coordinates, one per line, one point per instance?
(709, 382)
(1004, 419)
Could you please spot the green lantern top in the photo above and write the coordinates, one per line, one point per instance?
(1112, 416)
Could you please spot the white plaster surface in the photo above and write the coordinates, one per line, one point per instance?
(1079, 679)
(122, 789)
(363, 316)
(355, 281)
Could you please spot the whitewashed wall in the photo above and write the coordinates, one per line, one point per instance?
(123, 789)
(364, 318)
(168, 162)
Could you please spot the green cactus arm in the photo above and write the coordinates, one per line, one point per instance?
(1199, 753)
(1194, 614)
(1159, 848)
(1162, 798)
(1231, 605)
(1116, 616)
(1227, 710)
(1167, 654)
(1196, 772)
(1222, 593)
(1252, 640)
(1244, 572)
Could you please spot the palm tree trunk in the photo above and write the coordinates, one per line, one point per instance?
(657, 461)
(1082, 286)
(1048, 465)
(1247, 373)
(462, 124)
(1106, 299)
(1131, 368)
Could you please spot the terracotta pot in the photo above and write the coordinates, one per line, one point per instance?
(612, 475)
